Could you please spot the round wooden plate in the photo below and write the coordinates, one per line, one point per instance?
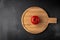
(42, 25)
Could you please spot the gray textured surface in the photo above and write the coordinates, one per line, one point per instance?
(10, 18)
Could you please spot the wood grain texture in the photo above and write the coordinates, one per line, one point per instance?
(42, 14)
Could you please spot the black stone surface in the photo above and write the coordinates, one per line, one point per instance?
(10, 19)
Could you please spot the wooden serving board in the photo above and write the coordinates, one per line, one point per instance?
(42, 14)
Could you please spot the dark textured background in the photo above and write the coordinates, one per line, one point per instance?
(10, 19)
